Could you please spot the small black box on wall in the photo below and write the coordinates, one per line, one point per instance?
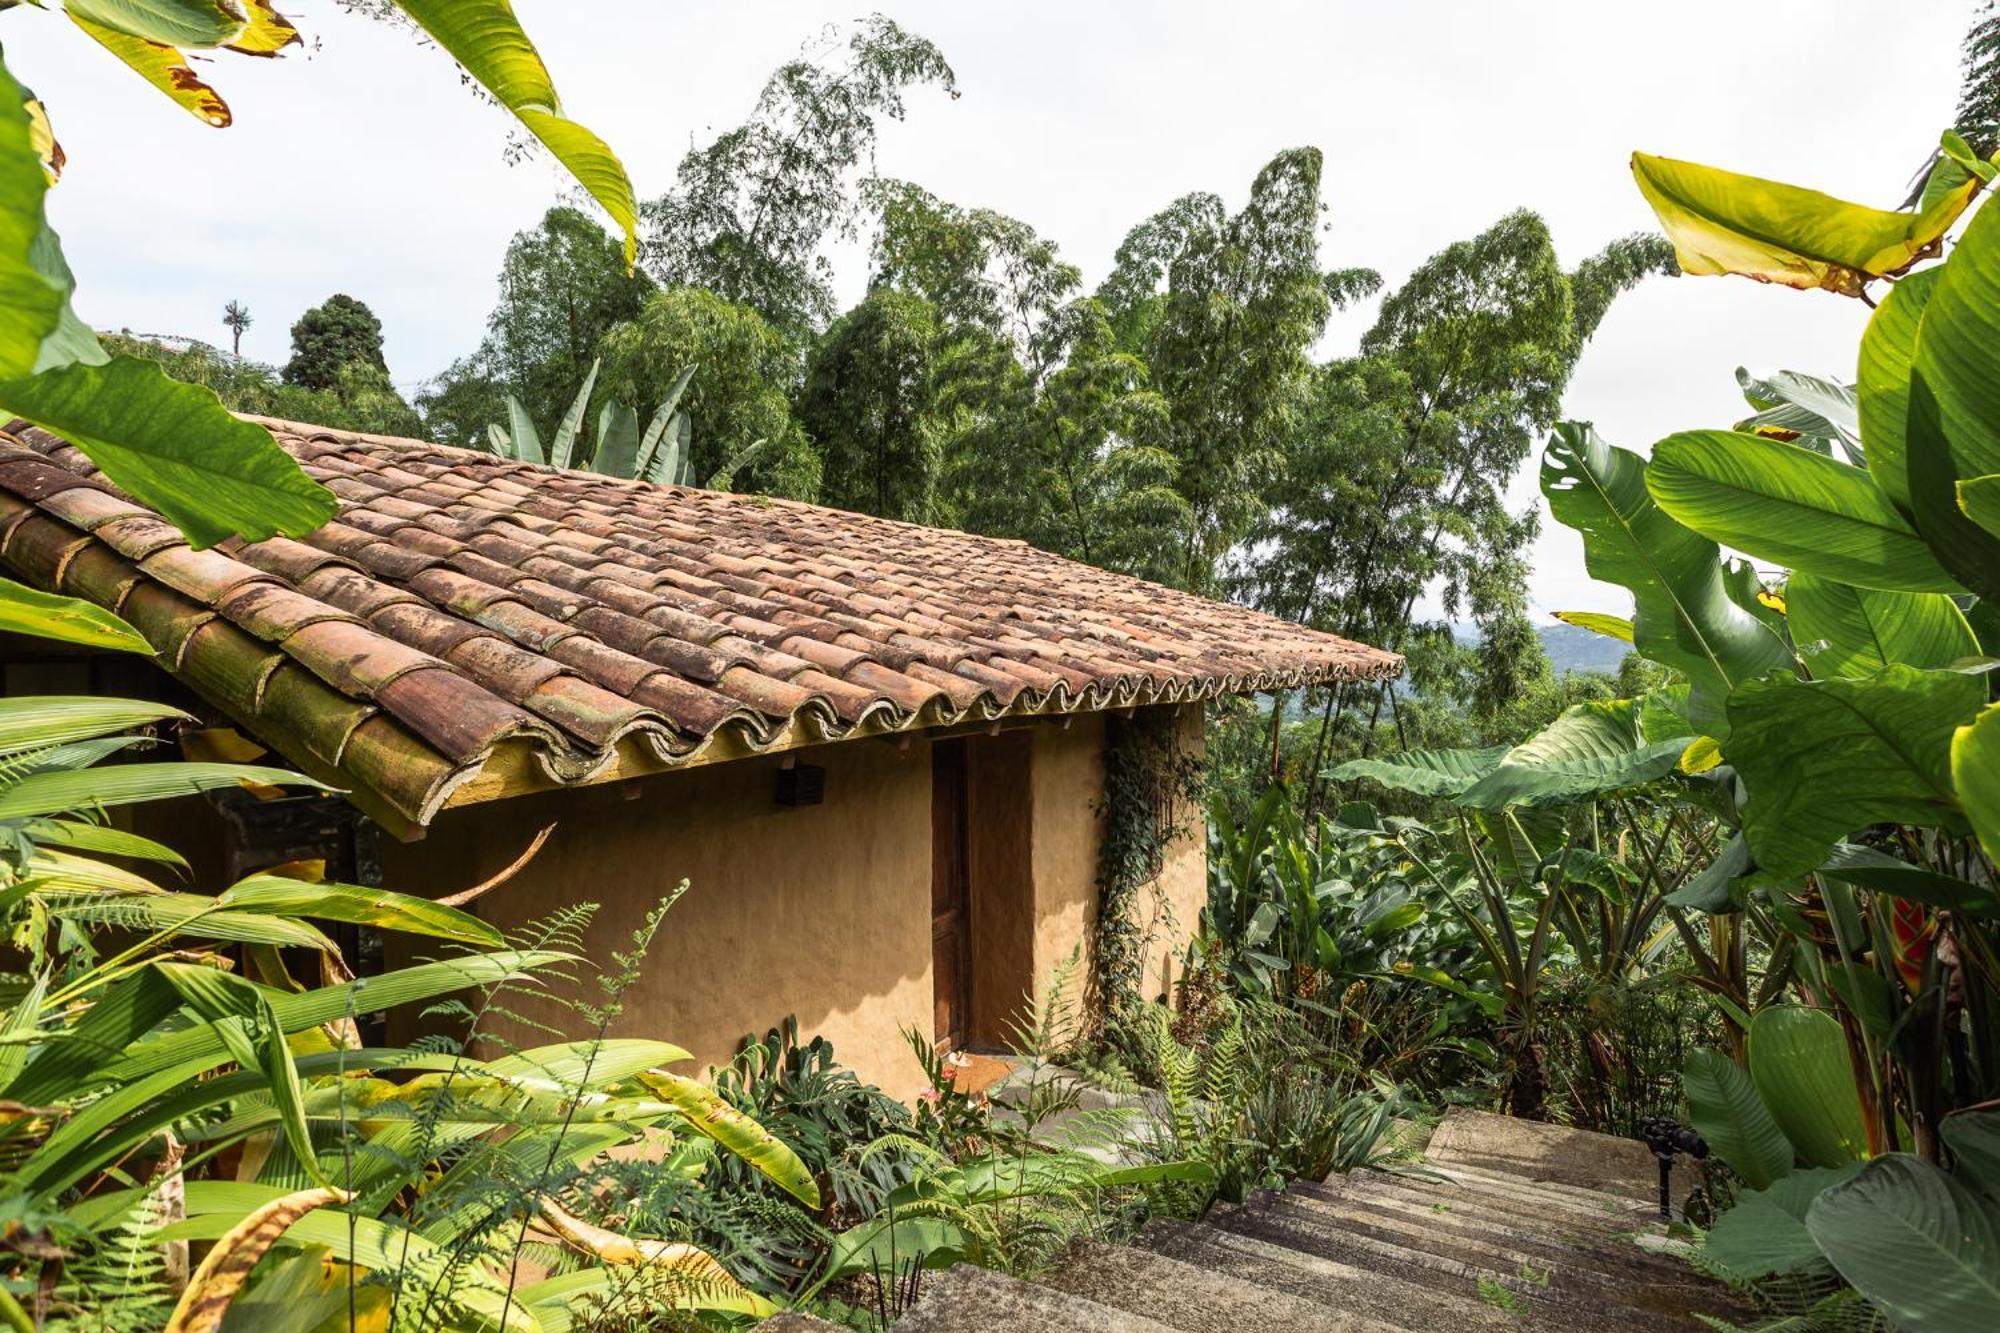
(801, 784)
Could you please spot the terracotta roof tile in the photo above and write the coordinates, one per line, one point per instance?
(462, 603)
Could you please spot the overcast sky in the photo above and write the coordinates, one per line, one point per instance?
(360, 164)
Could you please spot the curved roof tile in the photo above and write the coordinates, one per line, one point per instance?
(466, 612)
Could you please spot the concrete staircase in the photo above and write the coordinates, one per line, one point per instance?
(1510, 1226)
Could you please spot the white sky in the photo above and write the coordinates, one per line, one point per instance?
(360, 165)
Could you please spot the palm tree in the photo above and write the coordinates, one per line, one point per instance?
(236, 316)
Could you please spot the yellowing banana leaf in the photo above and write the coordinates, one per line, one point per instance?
(163, 66)
(710, 1115)
(267, 33)
(1598, 622)
(1723, 222)
(174, 447)
(690, 1277)
(227, 1266)
(485, 38)
(367, 1242)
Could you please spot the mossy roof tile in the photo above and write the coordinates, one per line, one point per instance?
(461, 605)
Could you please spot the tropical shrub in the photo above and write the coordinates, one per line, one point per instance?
(1841, 710)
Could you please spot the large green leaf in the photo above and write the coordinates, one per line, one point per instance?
(34, 721)
(1798, 1062)
(1975, 773)
(710, 1115)
(1853, 864)
(174, 447)
(887, 1242)
(1684, 616)
(1722, 222)
(1841, 630)
(525, 445)
(23, 610)
(1726, 1111)
(1822, 414)
(1888, 350)
(1958, 349)
(1822, 758)
(1765, 1232)
(240, 1013)
(563, 447)
(1966, 550)
(1919, 1245)
(1791, 506)
(1424, 772)
(617, 451)
(1974, 1140)
(1979, 498)
(1590, 749)
(34, 306)
(485, 38)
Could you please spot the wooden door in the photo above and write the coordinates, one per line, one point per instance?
(950, 895)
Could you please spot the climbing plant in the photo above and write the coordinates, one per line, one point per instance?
(1151, 787)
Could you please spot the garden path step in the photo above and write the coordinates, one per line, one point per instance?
(1480, 1275)
(965, 1299)
(1449, 1214)
(1194, 1299)
(1510, 1226)
(1548, 1153)
(1328, 1282)
(1546, 1262)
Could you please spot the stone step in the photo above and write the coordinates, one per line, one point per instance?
(1542, 1151)
(1330, 1282)
(1558, 1239)
(1611, 1212)
(964, 1299)
(1521, 1208)
(1427, 1260)
(1539, 1260)
(1192, 1298)
(1580, 1195)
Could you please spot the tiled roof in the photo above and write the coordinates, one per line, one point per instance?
(469, 626)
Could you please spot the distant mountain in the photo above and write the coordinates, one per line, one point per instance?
(1569, 648)
(1573, 649)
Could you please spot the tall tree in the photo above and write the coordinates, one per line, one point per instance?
(1978, 115)
(1396, 480)
(740, 393)
(749, 213)
(236, 318)
(1049, 432)
(339, 332)
(563, 286)
(1223, 310)
(869, 406)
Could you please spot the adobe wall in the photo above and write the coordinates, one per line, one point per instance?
(821, 911)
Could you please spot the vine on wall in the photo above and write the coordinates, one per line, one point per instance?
(1152, 795)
